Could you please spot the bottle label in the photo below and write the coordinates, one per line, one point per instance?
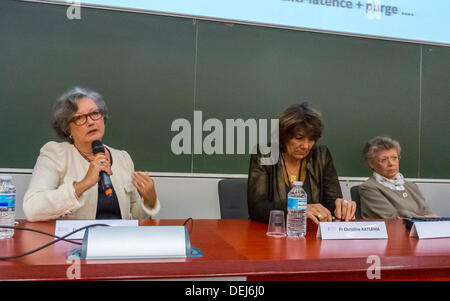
(297, 203)
(7, 200)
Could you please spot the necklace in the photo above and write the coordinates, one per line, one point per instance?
(301, 172)
(87, 158)
(294, 174)
(82, 154)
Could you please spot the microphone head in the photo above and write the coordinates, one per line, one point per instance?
(97, 147)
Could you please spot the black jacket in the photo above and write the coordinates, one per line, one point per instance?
(267, 189)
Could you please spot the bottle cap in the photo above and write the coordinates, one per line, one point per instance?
(299, 183)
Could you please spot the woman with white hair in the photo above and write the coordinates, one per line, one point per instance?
(66, 178)
(386, 194)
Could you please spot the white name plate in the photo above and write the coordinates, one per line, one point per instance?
(352, 230)
(64, 227)
(436, 229)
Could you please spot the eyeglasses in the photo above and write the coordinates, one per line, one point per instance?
(81, 119)
(385, 160)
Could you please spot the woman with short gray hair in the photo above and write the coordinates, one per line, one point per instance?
(387, 194)
(66, 106)
(66, 181)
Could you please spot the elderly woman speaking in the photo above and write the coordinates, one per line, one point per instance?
(386, 194)
(300, 159)
(66, 178)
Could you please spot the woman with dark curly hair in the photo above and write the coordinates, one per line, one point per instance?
(300, 159)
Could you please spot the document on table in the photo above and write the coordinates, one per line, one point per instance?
(64, 227)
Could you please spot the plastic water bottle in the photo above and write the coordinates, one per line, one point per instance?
(7, 206)
(296, 216)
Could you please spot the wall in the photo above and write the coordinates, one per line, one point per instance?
(196, 196)
(153, 70)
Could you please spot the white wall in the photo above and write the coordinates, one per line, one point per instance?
(196, 195)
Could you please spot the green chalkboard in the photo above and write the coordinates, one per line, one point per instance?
(153, 70)
(142, 65)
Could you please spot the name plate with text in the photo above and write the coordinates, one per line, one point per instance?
(64, 227)
(352, 230)
(438, 229)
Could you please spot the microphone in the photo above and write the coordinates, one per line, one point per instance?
(105, 180)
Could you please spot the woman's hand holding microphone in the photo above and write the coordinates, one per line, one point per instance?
(99, 163)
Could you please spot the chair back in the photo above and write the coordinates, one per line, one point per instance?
(233, 199)
(354, 192)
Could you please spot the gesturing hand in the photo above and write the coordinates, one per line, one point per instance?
(146, 187)
(98, 164)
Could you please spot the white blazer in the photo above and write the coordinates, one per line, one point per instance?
(51, 194)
